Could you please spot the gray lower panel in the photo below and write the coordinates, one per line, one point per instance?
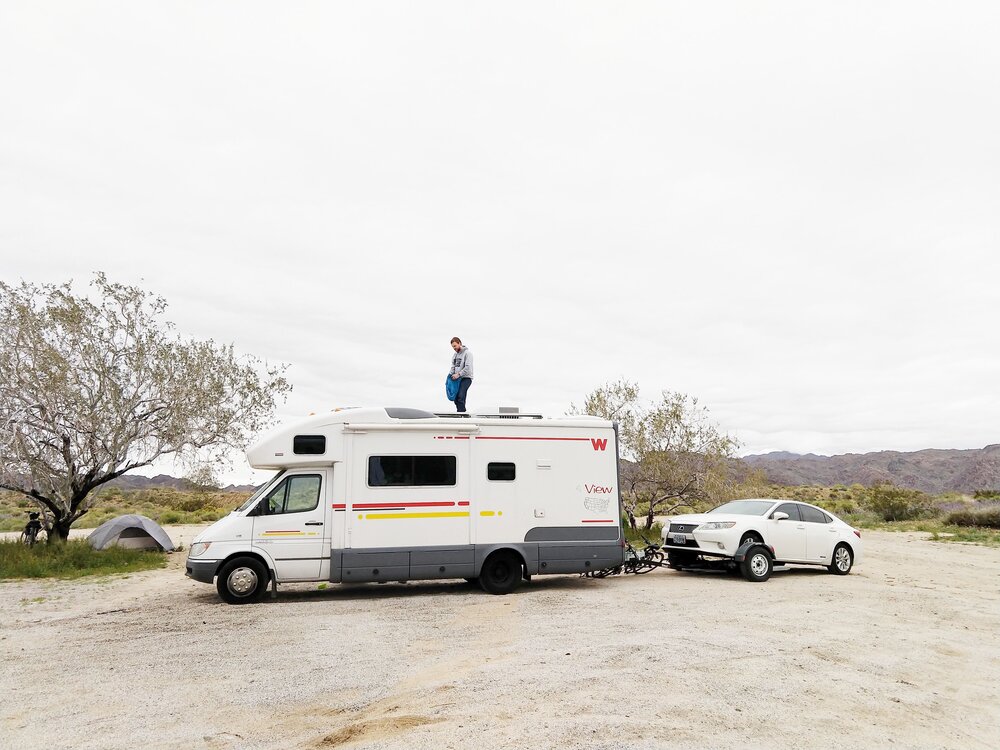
(402, 564)
(421, 563)
(578, 558)
(573, 533)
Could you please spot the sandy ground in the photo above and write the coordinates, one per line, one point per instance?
(903, 652)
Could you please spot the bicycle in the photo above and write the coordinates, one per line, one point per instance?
(31, 530)
(636, 562)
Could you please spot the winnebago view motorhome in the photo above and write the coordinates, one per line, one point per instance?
(403, 494)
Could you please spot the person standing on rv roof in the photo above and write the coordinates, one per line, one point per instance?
(461, 370)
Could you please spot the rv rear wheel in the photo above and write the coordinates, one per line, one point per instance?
(243, 580)
(501, 572)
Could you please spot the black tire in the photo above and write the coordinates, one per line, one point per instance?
(756, 567)
(679, 560)
(243, 581)
(843, 560)
(501, 572)
(751, 537)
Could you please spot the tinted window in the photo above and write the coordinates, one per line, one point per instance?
(745, 507)
(813, 515)
(411, 471)
(309, 445)
(500, 472)
(294, 495)
(792, 509)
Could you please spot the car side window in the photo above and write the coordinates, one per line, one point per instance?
(812, 515)
(792, 509)
(294, 495)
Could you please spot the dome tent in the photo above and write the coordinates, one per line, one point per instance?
(131, 530)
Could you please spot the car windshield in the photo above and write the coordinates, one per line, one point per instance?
(253, 498)
(744, 507)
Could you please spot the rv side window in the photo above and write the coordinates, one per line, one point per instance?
(309, 445)
(411, 471)
(296, 494)
(500, 472)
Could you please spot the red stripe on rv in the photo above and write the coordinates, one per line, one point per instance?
(372, 506)
(493, 437)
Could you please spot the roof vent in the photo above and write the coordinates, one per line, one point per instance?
(397, 412)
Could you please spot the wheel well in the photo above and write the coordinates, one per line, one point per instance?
(754, 533)
(842, 543)
(254, 555)
(510, 550)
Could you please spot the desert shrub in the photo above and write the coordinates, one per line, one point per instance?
(986, 494)
(892, 503)
(210, 514)
(170, 516)
(191, 503)
(840, 507)
(73, 559)
(985, 518)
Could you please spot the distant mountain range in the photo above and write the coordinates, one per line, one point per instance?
(136, 482)
(931, 470)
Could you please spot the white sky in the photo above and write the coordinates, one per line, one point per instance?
(790, 210)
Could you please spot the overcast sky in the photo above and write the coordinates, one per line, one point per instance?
(790, 210)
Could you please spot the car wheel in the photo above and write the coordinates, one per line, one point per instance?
(243, 581)
(757, 565)
(843, 560)
(751, 538)
(501, 573)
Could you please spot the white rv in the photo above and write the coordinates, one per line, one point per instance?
(401, 494)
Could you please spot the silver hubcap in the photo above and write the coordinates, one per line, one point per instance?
(758, 564)
(843, 559)
(242, 581)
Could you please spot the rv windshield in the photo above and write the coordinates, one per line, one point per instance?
(260, 490)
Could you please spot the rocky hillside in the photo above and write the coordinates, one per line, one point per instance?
(137, 482)
(931, 470)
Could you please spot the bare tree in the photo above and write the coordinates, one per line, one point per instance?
(93, 388)
(674, 455)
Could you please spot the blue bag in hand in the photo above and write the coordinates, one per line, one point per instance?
(451, 387)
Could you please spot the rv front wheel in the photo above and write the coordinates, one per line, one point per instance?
(501, 573)
(243, 580)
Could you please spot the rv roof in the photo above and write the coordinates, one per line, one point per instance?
(391, 414)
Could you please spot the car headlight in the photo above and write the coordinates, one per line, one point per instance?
(198, 549)
(716, 525)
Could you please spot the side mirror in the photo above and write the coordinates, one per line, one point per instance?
(779, 515)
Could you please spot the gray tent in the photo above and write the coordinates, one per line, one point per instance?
(130, 530)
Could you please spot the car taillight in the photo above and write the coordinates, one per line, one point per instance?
(857, 533)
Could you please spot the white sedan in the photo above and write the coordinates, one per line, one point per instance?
(755, 535)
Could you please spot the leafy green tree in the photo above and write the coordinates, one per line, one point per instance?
(674, 455)
(93, 387)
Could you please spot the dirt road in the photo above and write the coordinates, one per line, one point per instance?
(903, 652)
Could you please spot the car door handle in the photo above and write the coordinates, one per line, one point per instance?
(800, 526)
(314, 523)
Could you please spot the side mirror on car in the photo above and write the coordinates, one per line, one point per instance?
(779, 515)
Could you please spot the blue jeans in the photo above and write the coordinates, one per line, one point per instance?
(463, 389)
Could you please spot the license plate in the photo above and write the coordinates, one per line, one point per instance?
(679, 538)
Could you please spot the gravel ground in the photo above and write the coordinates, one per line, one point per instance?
(904, 651)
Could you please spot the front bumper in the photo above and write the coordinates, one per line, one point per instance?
(697, 550)
(714, 543)
(201, 570)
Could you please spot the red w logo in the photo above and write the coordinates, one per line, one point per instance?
(599, 443)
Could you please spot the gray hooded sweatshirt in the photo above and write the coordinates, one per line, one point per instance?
(461, 363)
